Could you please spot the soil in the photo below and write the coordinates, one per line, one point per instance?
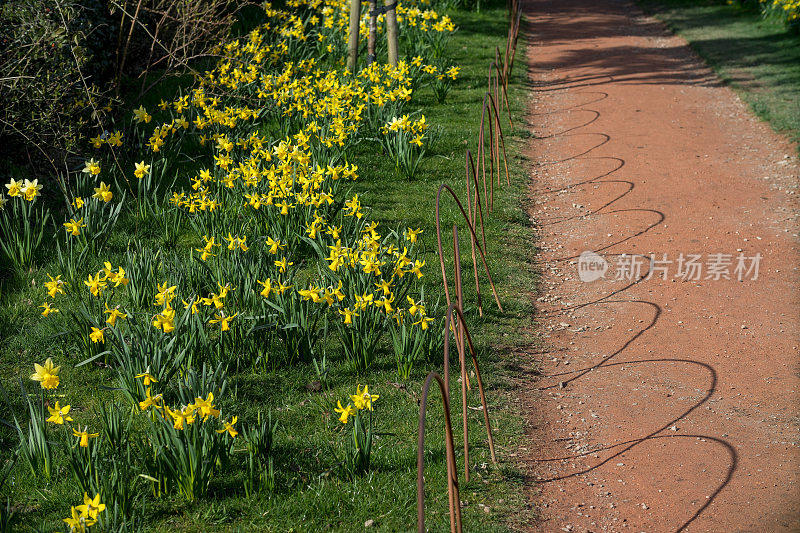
(664, 402)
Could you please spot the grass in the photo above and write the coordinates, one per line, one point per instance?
(759, 58)
(312, 494)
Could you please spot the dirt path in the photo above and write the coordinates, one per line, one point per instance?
(666, 403)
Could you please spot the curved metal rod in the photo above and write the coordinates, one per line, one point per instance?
(482, 154)
(502, 141)
(459, 333)
(470, 165)
(494, 146)
(514, 40)
(514, 16)
(499, 83)
(474, 237)
(473, 355)
(452, 478)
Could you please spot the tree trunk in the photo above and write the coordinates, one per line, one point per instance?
(352, 47)
(391, 32)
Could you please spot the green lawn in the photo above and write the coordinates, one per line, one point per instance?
(312, 493)
(759, 58)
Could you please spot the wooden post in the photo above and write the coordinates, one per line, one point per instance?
(355, 28)
(373, 29)
(391, 30)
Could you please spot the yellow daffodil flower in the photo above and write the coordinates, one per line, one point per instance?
(345, 412)
(113, 315)
(30, 190)
(97, 335)
(84, 436)
(150, 401)
(95, 284)
(91, 506)
(141, 170)
(59, 414)
(141, 115)
(47, 309)
(77, 522)
(92, 167)
(46, 375)
(74, 227)
(54, 286)
(206, 407)
(14, 188)
(103, 192)
(347, 314)
(229, 427)
(148, 378)
(224, 321)
(165, 321)
(362, 399)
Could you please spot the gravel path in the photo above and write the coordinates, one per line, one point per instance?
(668, 399)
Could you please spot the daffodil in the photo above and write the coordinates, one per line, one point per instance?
(148, 378)
(347, 314)
(113, 315)
(14, 188)
(165, 321)
(193, 304)
(411, 234)
(206, 407)
(103, 192)
(92, 167)
(141, 170)
(224, 321)
(344, 412)
(416, 269)
(165, 294)
(47, 309)
(423, 321)
(141, 115)
(413, 306)
(95, 284)
(281, 287)
(236, 242)
(150, 401)
(97, 335)
(74, 227)
(115, 139)
(267, 287)
(362, 399)
(77, 522)
(84, 436)
(91, 506)
(386, 303)
(46, 375)
(59, 414)
(117, 278)
(54, 286)
(283, 264)
(386, 286)
(274, 245)
(229, 427)
(180, 417)
(30, 190)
